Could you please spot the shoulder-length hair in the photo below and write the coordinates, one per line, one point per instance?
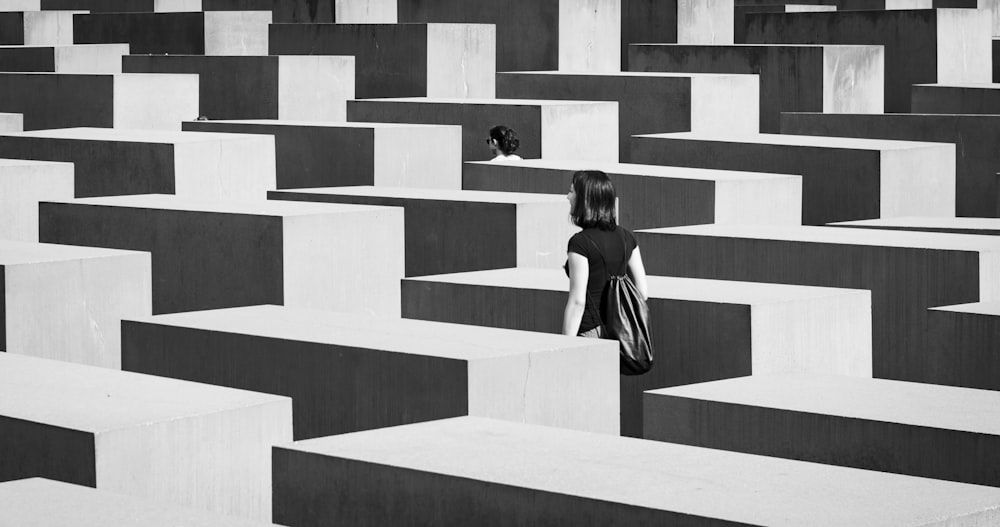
(595, 200)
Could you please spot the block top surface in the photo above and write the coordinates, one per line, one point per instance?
(841, 236)
(132, 136)
(486, 102)
(32, 163)
(928, 222)
(476, 196)
(613, 74)
(328, 124)
(38, 502)
(113, 47)
(418, 337)
(702, 174)
(975, 308)
(910, 403)
(731, 486)
(976, 85)
(92, 399)
(751, 46)
(662, 287)
(256, 208)
(850, 143)
(16, 253)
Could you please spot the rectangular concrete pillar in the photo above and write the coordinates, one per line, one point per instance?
(922, 430)
(347, 373)
(210, 255)
(701, 329)
(11, 122)
(236, 32)
(183, 33)
(402, 60)
(673, 21)
(124, 6)
(683, 102)
(489, 472)
(451, 231)
(329, 154)
(590, 35)
(651, 196)
(907, 273)
(62, 100)
(37, 28)
(970, 98)
(842, 178)
(79, 58)
(197, 165)
(741, 11)
(67, 303)
(963, 340)
(22, 185)
(585, 130)
(240, 87)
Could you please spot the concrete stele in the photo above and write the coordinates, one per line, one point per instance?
(590, 35)
(154, 102)
(853, 79)
(11, 122)
(77, 58)
(365, 11)
(461, 60)
(705, 21)
(236, 32)
(315, 87)
(23, 184)
(49, 28)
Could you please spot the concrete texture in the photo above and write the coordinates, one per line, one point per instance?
(269, 87)
(921, 46)
(347, 373)
(196, 165)
(66, 303)
(975, 138)
(327, 154)
(236, 32)
(37, 28)
(651, 196)
(61, 100)
(124, 6)
(701, 329)
(907, 428)
(402, 60)
(705, 22)
(986, 226)
(172, 441)
(906, 273)
(586, 130)
(684, 102)
(972, 98)
(183, 33)
(590, 35)
(842, 178)
(79, 58)
(741, 11)
(964, 339)
(22, 185)
(210, 255)
(792, 77)
(11, 122)
(450, 231)
(45, 503)
(488, 472)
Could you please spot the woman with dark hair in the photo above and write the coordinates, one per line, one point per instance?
(602, 247)
(503, 143)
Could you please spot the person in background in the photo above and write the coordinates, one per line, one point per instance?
(503, 143)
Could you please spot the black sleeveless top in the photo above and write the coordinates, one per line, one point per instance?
(616, 247)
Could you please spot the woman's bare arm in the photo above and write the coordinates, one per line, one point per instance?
(579, 273)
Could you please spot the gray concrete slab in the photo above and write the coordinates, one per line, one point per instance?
(23, 184)
(182, 33)
(952, 98)
(79, 58)
(34, 27)
(123, 6)
(985, 226)
(964, 338)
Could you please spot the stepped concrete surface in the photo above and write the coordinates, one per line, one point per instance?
(684, 101)
(987, 226)
(184, 33)
(79, 58)
(63, 100)
(37, 28)
(975, 138)
(173, 441)
(43, 502)
(218, 254)
(965, 98)
(701, 329)
(686, 22)
(907, 272)
(965, 339)
(22, 185)
(67, 303)
(923, 430)
(347, 373)
(829, 79)
(741, 11)
(325, 154)
(402, 60)
(842, 178)
(450, 231)
(921, 46)
(488, 472)
(124, 6)
(306, 10)
(313, 88)
(586, 130)
(198, 165)
(651, 196)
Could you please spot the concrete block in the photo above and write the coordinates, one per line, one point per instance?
(197, 165)
(971, 98)
(907, 273)
(11, 122)
(450, 231)
(124, 6)
(306, 11)
(268, 87)
(167, 440)
(984, 226)
(741, 11)
(81, 58)
(402, 60)
(347, 373)
(702, 329)
(22, 185)
(488, 472)
(67, 303)
(47, 503)
(673, 21)
(705, 21)
(651, 196)
(963, 343)
(37, 28)
(683, 102)
(236, 32)
(975, 138)
(842, 178)
(921, 46)
(830, 79)
(326, 154)
(183, 33)
(590, 35)
(922, 430)
(586, 130)
(60, 100)
(209, 255)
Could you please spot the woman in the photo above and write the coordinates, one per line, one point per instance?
(503, 143)
(602, 242)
